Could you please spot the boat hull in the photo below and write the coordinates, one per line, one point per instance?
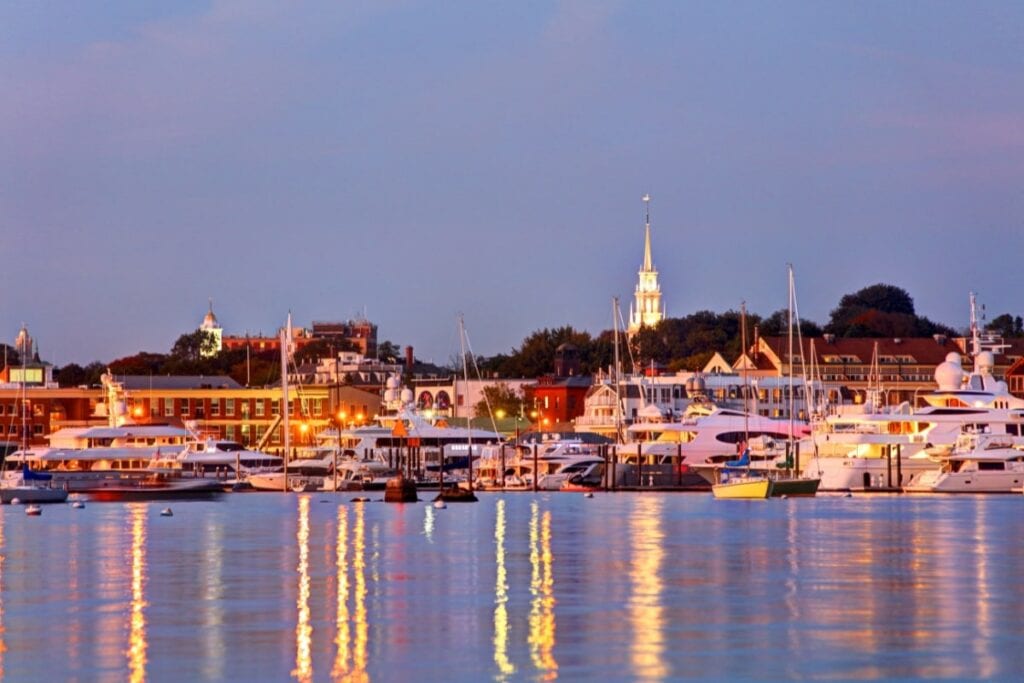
(32, 494)
(194, 489)
(743, 488)
(796, 486)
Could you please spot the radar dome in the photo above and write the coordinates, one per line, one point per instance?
(949, 375)
(984, 363)
(392, 382)
(407, 395)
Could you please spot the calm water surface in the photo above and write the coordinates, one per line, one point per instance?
(621, 586)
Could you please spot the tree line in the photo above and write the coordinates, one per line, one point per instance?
(675, 344)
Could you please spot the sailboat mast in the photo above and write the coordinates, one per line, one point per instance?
(469, 423)
(746, 387)
(618, 396)
(286, 340)
(789, 316)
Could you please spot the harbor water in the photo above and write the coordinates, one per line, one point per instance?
(621, 586)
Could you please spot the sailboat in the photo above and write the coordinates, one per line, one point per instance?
(743, 484)
(455, 493)
(791, 483)
(32, 487)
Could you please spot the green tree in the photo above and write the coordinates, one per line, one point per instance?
(388, 352)
(194, 346)
(500, 396)
(1007, 325)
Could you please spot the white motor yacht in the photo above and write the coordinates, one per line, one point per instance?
(862, 449)
(983, 463)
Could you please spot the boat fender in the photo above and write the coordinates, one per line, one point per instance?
(167, 512)
(440, 504)
(588, 494)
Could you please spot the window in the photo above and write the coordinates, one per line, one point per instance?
(168, 407)
(37, 430)
(246, 407)
(260, 408)
(229, 432)
(215, 408)
(275, 407)
(184, 406)
(229, 407)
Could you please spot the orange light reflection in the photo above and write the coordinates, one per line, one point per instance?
(505, 667)
(542, 614)
(645, 609)
(303, 630)
(137, 645)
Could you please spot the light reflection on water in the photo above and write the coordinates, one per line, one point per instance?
(516, 587)
(137, 645)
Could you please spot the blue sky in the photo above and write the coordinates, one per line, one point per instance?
(415, 160)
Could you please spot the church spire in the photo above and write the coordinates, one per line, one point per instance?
(648, 265)
(647, 309)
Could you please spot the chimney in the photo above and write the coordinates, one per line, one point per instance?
(940, 339)
(829, 338)
(410, 359)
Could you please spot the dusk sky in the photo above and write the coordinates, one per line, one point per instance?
(414, 160)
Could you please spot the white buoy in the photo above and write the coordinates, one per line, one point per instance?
(78, 505)
(15, 501)
(588, 494)
(33, 510)
(440, 504)
(784, 496)
(166, 512)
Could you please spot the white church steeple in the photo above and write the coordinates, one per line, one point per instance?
(646, 309)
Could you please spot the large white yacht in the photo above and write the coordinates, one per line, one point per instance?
(861, 448)
(705, 431)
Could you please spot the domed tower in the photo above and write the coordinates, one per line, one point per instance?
(24, 345)
(647, 308)
(211, 325)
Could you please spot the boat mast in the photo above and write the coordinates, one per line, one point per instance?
(469, 423)
(789, 315)
(286, 342)
(618, 394)
(746, 387)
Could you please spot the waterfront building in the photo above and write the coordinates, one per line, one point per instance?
(454, 397)
(211, 406)
(359, 335)
(647, 309)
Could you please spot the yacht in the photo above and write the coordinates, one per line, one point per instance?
(705, 431)
(984, 463)
(867, 448)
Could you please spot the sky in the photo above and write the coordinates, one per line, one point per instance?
(414, 161)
